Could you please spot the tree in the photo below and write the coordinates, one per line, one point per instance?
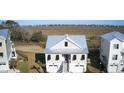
(3, 23)
(11, 24)
(36, 36)
(26, 36)
(14, 27)
(12, 64)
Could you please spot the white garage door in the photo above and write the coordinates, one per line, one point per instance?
(79, 68)
(53, 68)
(113, 68)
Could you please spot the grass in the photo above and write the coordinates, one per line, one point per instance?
(23, 67)
(92, 69)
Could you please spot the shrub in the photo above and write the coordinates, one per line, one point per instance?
(12, 64)
(36, 36)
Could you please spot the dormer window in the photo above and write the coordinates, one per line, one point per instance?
(66, 44)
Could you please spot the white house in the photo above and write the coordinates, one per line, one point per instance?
(66, 53)
(112, 51)
(7, 52)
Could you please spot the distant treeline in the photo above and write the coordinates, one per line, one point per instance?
(89, 25)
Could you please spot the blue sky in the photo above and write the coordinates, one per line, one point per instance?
(98, 22)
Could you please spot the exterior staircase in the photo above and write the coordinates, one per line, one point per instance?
(65, 67)
(60, 68)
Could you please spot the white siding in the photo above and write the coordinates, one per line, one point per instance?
(78, 65)
(53, 62)
(61, 45)
(108, 50)
(4, 58)
(8, 47)
(67, 64)
(114, 52)
(82, 64)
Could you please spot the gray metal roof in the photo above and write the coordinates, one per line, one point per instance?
(54, 39)
(4, 33)
(112, 35)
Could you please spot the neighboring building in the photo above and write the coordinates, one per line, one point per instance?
(112, 51)
(7, 52)
(66, 53)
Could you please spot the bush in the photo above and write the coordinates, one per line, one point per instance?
(26, 36)
(36, 36)
(23, 67)
(12, 64)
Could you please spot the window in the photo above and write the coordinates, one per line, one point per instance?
(57, 57)
(115, 57)
(116, 46)
(1, 54)
(74, 57)
(48, 57)
(66, 44)
(82, 57)
(0, 44)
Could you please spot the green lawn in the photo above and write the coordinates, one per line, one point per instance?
(23, 67)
